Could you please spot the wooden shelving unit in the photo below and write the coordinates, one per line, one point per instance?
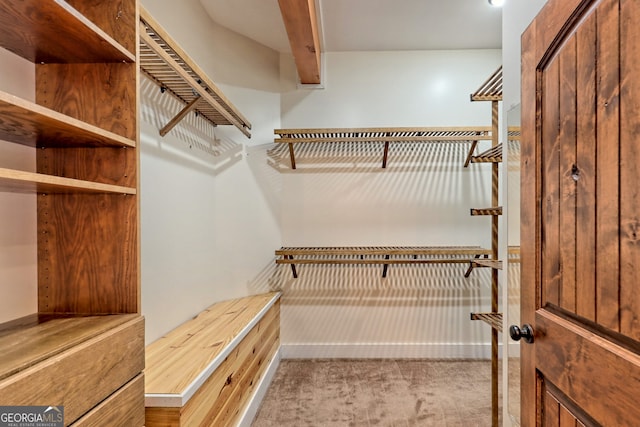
(87, 336)
(384, 136)
(167, 65)
(491, 90)
(379, 255)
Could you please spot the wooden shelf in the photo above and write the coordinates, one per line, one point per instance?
(381, 135)
(51, 31)
(491, 263)
(513, 133)
(28, 182)
(491, 90)
(493, 319)
(379, 255)
(167, 65)
(487, 211)
(26, 123)
(492, 155)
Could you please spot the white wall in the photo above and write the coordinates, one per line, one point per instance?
(209, 221)
(422, 198)
(18, 249)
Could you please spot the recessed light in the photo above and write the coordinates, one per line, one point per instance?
(496, 3)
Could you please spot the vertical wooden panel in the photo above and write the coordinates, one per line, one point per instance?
(566, 418)
(116, 18)
(107, 165)
(87, 254)
(551, 185)
(607, 183)
(585, 151)
(100, 94)
(569, 173)
(630, 167)
(551, 410)
(529, 219)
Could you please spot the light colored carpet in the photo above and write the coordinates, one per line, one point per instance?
(355, 393)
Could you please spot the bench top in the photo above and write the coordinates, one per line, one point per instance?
(180, 362)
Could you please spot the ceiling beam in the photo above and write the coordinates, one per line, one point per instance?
(301, 24)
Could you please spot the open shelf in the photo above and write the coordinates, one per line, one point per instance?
(35, 338)
(492, 155)
(381, 135)
(28, 182)
(50, 31)
(491, 263)
(26, 123)
(487, 211)
(168, 66)
(491, 90)
(493, 319)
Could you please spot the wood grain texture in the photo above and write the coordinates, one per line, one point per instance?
(591, 370)
(569, 176)
(99, 94)
(39, 338)
(175, 361)
(586, 185)
(162, 417)
(116, 18)
(550, 186)
(607, 154)
(87, 251)
(123, 408)
(221, 399)
(568, 362)
(111, 166)
(629, 168)
(53, 31)
(28, 182)
(529, 213)
(301, 23)
(30, 124)
(82, 376)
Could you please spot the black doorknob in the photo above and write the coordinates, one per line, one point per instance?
(525, 333)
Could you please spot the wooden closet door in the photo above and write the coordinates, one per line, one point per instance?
(580, 195)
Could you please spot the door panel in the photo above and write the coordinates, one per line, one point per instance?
(580, 243)
(629, 164)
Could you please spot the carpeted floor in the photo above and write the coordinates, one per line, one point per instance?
(355, 393)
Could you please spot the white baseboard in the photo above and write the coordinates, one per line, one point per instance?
(388, 351)
(252, 408)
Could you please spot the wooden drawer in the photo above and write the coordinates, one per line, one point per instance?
(124, 408)
(83, 375)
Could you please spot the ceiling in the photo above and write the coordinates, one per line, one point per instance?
(370, 25)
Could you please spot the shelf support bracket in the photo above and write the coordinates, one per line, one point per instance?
(181, 115)
(292, 156)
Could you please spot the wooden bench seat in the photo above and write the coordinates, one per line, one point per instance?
(206, 370)
(383, 255)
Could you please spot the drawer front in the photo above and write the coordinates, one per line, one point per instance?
(82, 376)
(124, 408)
